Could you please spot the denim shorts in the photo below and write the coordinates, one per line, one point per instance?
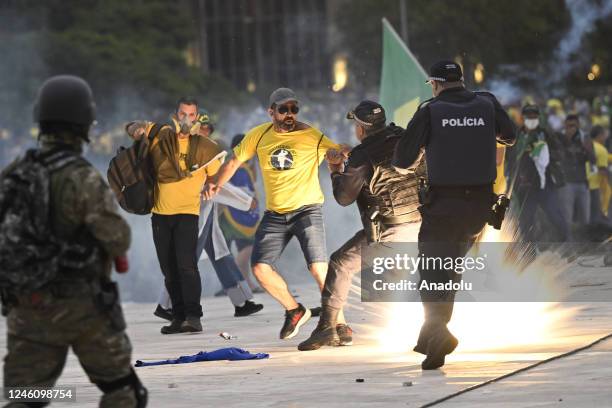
(276, 230)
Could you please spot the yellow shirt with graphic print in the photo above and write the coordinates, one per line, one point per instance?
(183, 197)
(289, 164)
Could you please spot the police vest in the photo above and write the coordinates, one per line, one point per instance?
(395, 195)
(462, 143)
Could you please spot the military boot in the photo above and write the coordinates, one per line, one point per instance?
(173, 328)
(325, 334)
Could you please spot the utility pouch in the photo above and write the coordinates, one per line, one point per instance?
(107, 301)
(373, 226)
(425, 193)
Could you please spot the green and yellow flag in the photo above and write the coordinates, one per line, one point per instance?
(402, 83)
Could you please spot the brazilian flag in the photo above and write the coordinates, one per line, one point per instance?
(402, 82)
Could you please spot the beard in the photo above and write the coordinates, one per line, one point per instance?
(288, 124)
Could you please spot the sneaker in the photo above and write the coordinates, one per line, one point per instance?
(162, 313)
(321, 336)
(248, 308)
(294, 319)
(191, 325)
(345, 335)
(173, 328)
(437, 348)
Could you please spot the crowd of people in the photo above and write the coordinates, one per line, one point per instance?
(559, 170)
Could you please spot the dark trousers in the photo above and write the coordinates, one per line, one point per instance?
(346, 261)
(450, 226)
(548, 200)
(175, 238)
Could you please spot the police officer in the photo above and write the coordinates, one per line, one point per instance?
(79, 308)
(458, 130)
(388, 205)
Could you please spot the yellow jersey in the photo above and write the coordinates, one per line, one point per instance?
(289, 164)
(183, 196)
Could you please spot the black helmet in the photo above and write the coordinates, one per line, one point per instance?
(65, 98)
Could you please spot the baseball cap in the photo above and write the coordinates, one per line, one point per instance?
(368, 113)
(445, 71)
(282, 95)
(530, 108)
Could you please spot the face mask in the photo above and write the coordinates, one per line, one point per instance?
(185, 125)
(532, 123)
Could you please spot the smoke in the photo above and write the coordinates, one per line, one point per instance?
(584, 16)
(508, 84)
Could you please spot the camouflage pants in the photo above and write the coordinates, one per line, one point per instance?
(40, 336)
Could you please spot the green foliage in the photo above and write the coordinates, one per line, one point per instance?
(125, 49)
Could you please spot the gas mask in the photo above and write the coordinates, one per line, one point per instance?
(186, 126)
(531, 124)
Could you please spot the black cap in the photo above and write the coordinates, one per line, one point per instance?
(368, 113)
(282, 95)
(530, 108)
(445, 71)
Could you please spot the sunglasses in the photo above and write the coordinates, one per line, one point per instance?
(284, 109)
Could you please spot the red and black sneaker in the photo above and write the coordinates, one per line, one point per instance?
(345, 334)
(294, 319)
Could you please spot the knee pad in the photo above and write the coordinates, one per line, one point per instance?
(130, 380)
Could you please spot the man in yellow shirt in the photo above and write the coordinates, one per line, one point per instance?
(181, 160)
(599, 177)
(289, 154)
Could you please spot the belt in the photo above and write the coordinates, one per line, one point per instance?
(462, 191)
(398, 219)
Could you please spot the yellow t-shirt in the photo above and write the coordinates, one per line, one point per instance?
(183, 197)
(289, 164)
(601, 160)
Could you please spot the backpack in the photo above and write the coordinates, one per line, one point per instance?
(31, 254)
(130, 175)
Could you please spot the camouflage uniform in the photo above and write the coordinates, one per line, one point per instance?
(65, 314)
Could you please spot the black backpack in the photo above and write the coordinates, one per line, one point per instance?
(31, 255)
(130, 175)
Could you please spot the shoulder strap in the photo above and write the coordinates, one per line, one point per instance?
(155, 130)
(425, 103)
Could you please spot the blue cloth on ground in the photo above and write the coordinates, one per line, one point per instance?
(229, 353)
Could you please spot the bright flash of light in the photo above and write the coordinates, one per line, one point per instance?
(479, 73)
(485, 325)
(590, 76)
(340, 74)
(596, 70)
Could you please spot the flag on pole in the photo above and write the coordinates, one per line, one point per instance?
(402, 82)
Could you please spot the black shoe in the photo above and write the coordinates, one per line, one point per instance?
(162, 313)
(191, 325)
(437, 348)
(321, 336)
(248, 308)
(294, 319)
(345, 334)
(173, 328)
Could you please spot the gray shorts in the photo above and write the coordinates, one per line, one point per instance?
(276, 230)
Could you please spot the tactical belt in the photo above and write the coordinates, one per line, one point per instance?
(59, 290)
(398, 219)
(462, 191)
